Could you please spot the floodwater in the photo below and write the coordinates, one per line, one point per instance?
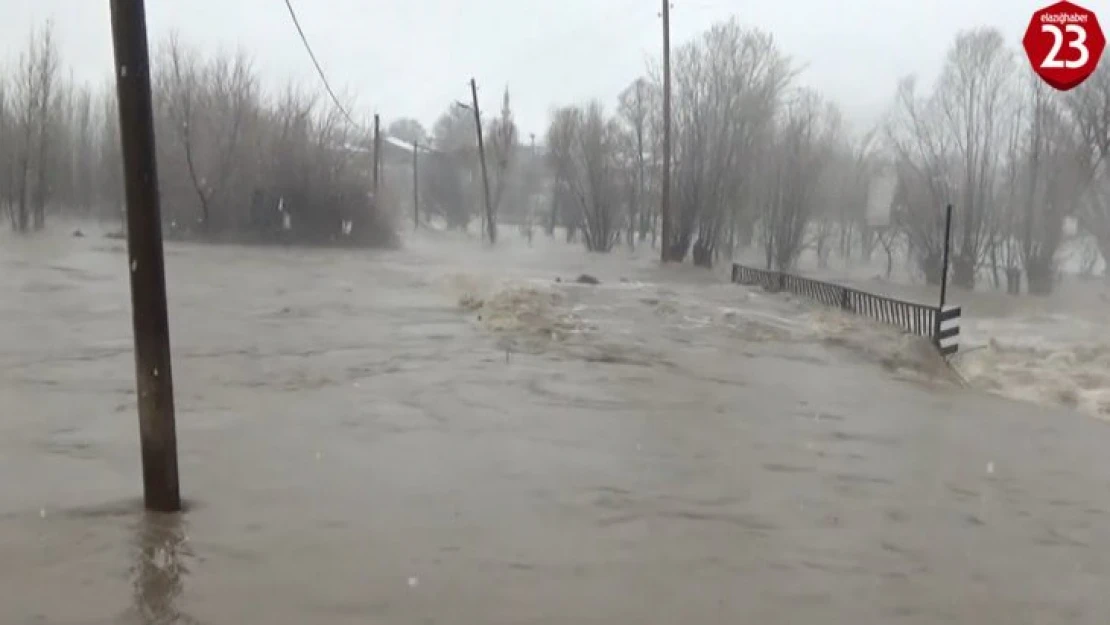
(443, 434)
(1054, 351)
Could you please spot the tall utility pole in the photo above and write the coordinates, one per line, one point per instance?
(377, 153)
(415, 189)
(491, 226)
(665, 208)
(150, 322)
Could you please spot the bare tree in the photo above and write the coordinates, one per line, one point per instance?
(408, 130)
(924, 165)
(7, 154)
(633, 109)
(585, 147)
(452, 177)
(728, 85)
(109, 170)
(560, 143)
(31, 104)
(501, 137)
(225, 149)
(972, 96)
(209, 104)
(834, 195)
(1050, 166)
(950, 150)
(801, 149)
(1088, 107)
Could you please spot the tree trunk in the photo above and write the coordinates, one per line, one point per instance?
(963, 272)
(930, 266)
(23, 215)
(703, 255)
(1013, 281)
(867, 236)
(994, 265)
(1041, 276)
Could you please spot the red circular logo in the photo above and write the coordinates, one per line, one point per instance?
(1064, 43)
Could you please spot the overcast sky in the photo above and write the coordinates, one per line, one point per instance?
(413, 57)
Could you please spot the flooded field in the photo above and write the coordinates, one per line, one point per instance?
(446, 434)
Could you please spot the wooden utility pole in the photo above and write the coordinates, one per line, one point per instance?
(491, 226)
(665, 208)
(377, 153)
(415, 189)
(150, 323)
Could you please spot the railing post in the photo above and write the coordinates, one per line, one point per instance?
(943, 271)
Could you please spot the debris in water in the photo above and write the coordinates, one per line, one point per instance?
(42, 513)
(319, 455)
(990, 467)
(78, 234)
(470, 301)
(134, 266)
(587, 279)
(413, 582)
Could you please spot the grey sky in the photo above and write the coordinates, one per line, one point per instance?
(412, 57)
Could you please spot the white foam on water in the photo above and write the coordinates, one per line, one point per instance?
(1054, 374)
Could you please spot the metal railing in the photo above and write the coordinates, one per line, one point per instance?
(914, 318)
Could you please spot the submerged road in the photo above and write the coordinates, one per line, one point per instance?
(358, 448)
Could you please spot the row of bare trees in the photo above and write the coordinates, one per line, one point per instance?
(235, 160)
(1016, 158)
(29, 108)
(760, 159)
(751, 152)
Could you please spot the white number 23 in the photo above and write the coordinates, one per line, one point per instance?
(1079, 43)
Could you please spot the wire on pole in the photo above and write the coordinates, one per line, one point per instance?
(316, 63)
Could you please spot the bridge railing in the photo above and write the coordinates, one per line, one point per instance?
(942, 327)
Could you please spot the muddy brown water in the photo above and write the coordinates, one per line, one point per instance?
(356, 447)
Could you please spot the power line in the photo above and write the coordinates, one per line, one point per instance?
(319, 70)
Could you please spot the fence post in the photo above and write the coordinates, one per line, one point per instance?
(944, 270)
